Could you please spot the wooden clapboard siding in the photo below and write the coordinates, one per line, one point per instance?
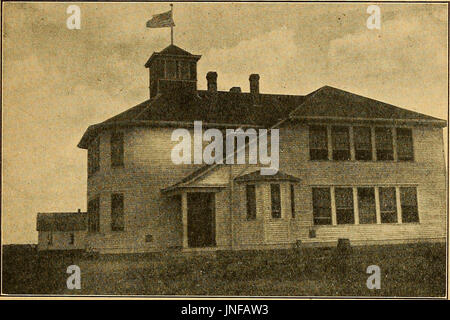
(148, 169)
(61, 240)
(427, 172)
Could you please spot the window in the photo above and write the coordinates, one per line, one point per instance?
(318, 143)
(71, 239)
(50, 239)
(385, 148)
(251, 202)
(93, 215)
(117, 149)
(193, 67)
(344, 206)
(366, 205)
(184, 66)
(405, 149)
(171, 69)
(293, 201)
(388, 205)
(275, 200)
(321, 206)
(148, 238)
(363, 143)
(408, 197)
(341, 143)
(117, 221)
(94, 157)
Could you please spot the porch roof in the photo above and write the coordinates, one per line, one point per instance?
(257, 176)
(192, 188)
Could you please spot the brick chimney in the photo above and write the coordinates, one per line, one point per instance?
(254, 87)
(254, 83)
(211, 77)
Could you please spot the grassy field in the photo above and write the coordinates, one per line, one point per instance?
(416, 270)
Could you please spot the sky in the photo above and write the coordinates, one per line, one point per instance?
(57, 82)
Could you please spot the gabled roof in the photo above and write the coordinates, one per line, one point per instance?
(256, 176)
(332, 103)
(321, 105)
(61, 221)
(172, 51)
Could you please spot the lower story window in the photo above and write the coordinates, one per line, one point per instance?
(275, 197)
(388, 205)
(344, 206)
(71, 239)
(117, 219)
(251, 202)
(366, 205)
(94, 215)
(321, 206)
(408, 197)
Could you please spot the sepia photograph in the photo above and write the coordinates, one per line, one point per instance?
(224, 149)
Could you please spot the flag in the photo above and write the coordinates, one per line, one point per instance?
(161, 20)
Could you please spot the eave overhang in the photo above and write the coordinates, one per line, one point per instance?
(409, 122)
(93, 130)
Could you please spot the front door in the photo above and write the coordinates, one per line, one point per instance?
(201, 220)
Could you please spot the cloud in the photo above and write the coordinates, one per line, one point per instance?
(408, 55)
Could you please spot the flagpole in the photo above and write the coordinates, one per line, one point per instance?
(171, 27)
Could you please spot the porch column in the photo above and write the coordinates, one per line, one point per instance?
(184, 210)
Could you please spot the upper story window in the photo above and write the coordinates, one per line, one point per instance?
(318, 143)
(275, 197)
(340, 143)
(251, 202)
(405, 151)
(72, 239)
(363, 143)
(94, 156)
(360, 140)
(117, 149)
(117, 212)
(384, 144)
(94, 215)
(388, 205)
(321, 206)
(344, 206)
(408, 196)
(292, 201)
